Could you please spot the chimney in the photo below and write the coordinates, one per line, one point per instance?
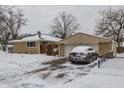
(39, 34)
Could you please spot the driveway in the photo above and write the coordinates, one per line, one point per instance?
(57, 74)
(36, 70)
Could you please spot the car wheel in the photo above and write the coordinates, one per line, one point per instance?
(95, 57)
(72, 62)
(91, 60)
(88, 60)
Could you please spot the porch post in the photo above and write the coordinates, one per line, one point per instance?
(39, 47)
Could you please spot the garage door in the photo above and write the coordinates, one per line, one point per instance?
(69, 48)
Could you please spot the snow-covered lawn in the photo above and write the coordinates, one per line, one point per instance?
(30, 70)
(120, 55)
(13, 66)
(36, 70)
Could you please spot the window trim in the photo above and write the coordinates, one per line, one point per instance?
(30, 42)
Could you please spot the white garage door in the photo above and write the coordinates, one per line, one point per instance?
(68, 48)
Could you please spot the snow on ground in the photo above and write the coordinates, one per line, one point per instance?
(15, 65)
(111, 74)
(120, 55)
(34, 70)
(30, 70)
(25, 59)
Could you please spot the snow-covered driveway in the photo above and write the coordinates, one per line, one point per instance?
(111, 74)
(36, 70)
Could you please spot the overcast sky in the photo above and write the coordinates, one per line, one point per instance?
(39, 17)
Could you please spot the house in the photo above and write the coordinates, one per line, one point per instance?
(36, 44)
(121, 48)
(100, 44)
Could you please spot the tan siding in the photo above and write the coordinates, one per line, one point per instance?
(83, 38)
(21, 47)
(105, 47)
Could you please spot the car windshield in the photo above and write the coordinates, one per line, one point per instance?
(77, 54)
(82, 54)
(73, 54)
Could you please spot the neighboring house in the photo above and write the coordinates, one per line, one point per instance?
(37, 44)
(121, 48)
(100, 44)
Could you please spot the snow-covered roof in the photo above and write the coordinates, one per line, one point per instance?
(80, 37)
(44, 37)
(96, 36)
(8, 45)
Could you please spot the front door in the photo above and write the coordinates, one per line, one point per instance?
(49, 49)
(43, 48)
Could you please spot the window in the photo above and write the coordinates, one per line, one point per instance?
(30, 44)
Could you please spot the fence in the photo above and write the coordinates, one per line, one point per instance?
(104, 58)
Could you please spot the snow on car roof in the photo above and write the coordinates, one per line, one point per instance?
(44, 37)
(80, 49)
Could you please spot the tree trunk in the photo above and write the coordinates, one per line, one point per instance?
(118, 42)
(4, 47)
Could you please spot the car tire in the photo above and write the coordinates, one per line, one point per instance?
(95, 57)
(91, 60)
(72, 62)
(87, 60)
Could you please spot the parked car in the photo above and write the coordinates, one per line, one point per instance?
(83, 54)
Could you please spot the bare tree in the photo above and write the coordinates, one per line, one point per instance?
(111, 24)
(11, 21)
(64, 25)
(15, 20)
(4, 35)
